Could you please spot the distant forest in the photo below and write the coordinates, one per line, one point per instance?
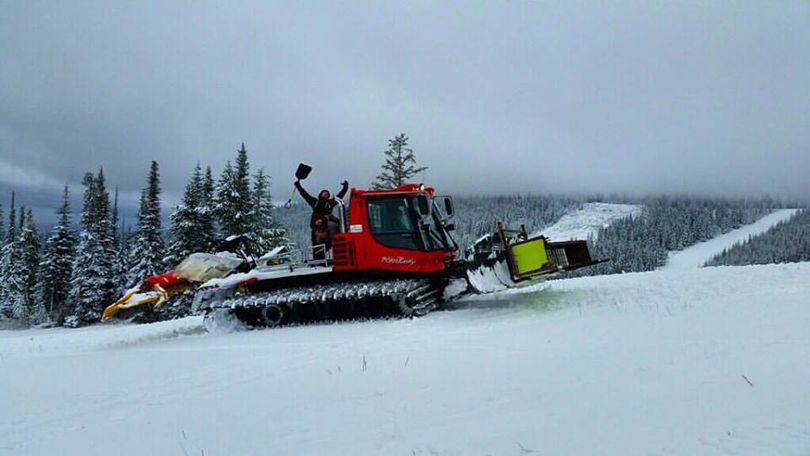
(642, 243)
(787, 242)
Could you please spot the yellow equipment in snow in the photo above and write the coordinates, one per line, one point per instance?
(530, 257)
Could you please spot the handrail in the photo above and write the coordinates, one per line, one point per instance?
(341, 214)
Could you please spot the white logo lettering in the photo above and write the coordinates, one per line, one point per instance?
(397, 260)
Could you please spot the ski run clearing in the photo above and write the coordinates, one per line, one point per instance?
(697, 255)
(586, 222)
(696, 361)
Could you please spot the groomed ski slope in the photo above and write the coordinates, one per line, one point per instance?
(587, 221)
(697, 255)
(632, 364)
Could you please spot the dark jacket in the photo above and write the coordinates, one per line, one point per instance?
(319, 206)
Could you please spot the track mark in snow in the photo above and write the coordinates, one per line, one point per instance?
(698, 254)
(159, 336)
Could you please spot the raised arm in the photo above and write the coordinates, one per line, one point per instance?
(343, 189)
(307, 197)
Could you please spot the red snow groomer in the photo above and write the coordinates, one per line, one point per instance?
(392, 254)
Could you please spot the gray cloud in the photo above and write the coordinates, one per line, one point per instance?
(639, 97)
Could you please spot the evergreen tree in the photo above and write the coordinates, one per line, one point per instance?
(106, 234)
(233, 196)
(5, 309)
(400, 164)
(187, 237)
(92, 284)
(207, 211)
(114, 219)
(11, 232)
(265, 230)
(124, 254)
(148, 251)
(193, 230)
(12, 280)
(31, 246)
(120, 258)
(57, 263)
(30, 250)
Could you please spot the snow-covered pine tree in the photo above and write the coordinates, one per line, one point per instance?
(207, 227)
(120, 269)
(30, 251)
(233, 196)
(12, 282)
(92, 284)
(185, 221)
(57, 263)
(223, 196)
(5, 309)
(400, 164)
(123, 255)
(265, 230)
(114, 219)
(148, 250)
(191, 227)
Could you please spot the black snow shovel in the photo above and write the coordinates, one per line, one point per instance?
(303, 171)
(301, 174)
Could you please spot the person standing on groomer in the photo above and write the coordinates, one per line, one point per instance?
(322, 207)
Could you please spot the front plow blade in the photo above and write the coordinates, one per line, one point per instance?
(511, 258)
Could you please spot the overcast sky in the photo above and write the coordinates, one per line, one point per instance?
(631, 96)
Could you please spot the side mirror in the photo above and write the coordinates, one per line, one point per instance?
(450, 227)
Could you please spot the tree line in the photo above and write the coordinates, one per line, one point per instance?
(71, 276)
(785, 242)
(643, 243)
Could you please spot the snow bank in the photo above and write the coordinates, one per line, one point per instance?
(703, 361)
(587, 221)
(698, 254)
(61, 341)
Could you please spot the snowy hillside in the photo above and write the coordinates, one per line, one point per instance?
(705, 361)
(586, 222)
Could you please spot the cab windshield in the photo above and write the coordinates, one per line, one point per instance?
(396, 222)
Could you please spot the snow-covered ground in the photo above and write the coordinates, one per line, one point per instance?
(585, 222)
(697, 255)
(702, 361)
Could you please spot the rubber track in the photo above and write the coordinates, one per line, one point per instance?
(333, 302)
